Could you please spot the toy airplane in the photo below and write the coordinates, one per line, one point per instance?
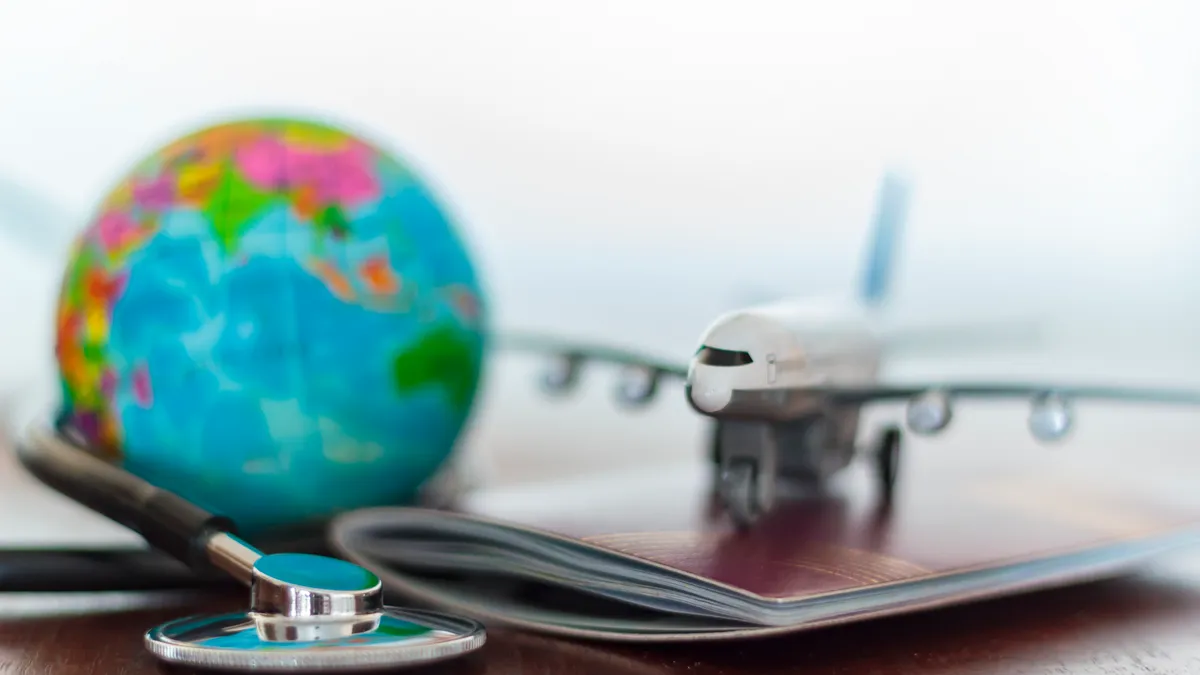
(786, 382)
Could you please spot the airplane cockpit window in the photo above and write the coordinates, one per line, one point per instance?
(711, 356)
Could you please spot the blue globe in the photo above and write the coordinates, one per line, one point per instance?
(274, 319)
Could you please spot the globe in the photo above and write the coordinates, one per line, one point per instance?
(272, 318)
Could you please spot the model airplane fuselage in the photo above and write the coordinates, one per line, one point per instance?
(749, 361)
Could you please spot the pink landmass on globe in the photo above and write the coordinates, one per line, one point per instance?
(155, 194)
(263, 163)
(115, 228)
(108, 383)
(344, 176)
(141, 387)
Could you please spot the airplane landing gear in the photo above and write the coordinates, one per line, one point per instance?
(745, 454)
(887, 461)
(748, 462)
(739, 493)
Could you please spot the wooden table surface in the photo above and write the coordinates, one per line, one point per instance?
(1147, 622)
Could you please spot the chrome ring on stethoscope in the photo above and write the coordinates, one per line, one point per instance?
(306, 611)
(402, 638)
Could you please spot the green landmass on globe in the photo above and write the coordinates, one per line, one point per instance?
(275, 319)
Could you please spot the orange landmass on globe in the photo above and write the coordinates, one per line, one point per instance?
(377, 272)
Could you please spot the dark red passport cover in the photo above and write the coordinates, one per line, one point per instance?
(953, 516)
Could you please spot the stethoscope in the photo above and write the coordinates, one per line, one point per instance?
(306, 611)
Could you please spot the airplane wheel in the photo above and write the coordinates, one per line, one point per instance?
(739, 494)
(888, 461)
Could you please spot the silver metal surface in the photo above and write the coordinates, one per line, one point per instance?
(301, 597)
(232, 556)
(232, 641)
(289, 601)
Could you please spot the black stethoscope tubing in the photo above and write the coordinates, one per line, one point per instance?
(174, 528)
(96, 570)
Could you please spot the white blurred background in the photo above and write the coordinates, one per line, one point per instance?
(625, 170)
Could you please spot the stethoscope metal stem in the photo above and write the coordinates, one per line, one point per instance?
(232, 556)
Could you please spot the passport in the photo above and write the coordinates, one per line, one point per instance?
(648, 554)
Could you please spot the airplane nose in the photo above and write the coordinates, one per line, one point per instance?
(710, 398)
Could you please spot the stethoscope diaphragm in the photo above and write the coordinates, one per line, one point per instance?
(232, 641)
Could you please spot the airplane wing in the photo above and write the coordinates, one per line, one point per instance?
(930, 404)
(584, 351)
(639, 381)
(1008, 390)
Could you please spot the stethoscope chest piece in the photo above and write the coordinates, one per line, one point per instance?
(232, 641)
(310, 612)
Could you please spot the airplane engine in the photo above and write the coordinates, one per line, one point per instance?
(1050, 417)
(929, 413)
(637, 385)
(562, 373)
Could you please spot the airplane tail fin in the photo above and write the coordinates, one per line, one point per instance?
(886, 231)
